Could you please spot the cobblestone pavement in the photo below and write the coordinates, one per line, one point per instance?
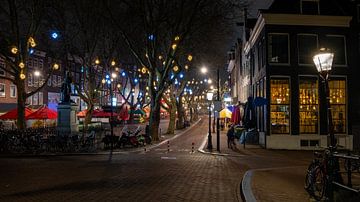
(156, 175)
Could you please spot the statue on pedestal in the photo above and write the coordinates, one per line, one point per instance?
(66, 89)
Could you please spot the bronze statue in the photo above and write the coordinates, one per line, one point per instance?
(66, 88)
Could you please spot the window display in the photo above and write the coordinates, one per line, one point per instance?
(338, 104)
(309, 105)
(280, 106)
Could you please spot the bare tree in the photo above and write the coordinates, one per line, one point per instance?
(20, 32)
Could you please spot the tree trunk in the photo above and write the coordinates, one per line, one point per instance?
(180, 111)
(88, 116)
(155, 118)
(21, 99)
(195, 114)
(191, 115)
(171, 127)
(132, 109)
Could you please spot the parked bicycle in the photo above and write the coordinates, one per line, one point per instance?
(321, 174)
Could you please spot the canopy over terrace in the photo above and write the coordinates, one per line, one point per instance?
(13, 114)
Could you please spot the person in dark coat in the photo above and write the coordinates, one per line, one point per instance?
(231, 137)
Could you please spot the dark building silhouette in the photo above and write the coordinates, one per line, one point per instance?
(273, 59)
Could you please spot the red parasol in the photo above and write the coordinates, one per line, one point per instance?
(124, 114)
(235, 116)
(43, 113)
(13, 114)
(99, 114)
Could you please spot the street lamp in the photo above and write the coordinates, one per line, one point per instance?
(217, 104)
(323, 62)
(209, 97)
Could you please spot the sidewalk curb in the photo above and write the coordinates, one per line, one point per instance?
(246, 187)
(201, 150)
(102, 152)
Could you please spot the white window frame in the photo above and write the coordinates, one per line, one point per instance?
(35, 63)
(297, 41)
(59, 80)
(41, 63)
(15, 90)
(268, 44)
(41, 98)
(35, 99)
(54, 80)
(4, 93)
(30, 79)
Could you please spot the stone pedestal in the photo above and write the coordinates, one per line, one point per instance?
(67, 122)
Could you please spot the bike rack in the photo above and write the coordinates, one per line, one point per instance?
(349, 172)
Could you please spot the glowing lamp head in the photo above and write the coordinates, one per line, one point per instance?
(97, 61)
(113, 75)
(323, 60)
(209, 96)
(186, 67)
(177, 38)
(113, 63)
(204, 70)
(176, 68)
(36, 73)
(174, 46)
(103, 81)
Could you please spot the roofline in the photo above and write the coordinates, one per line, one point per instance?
(294, 20)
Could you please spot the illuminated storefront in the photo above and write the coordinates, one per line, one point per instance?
(308, 105)
(280, 106)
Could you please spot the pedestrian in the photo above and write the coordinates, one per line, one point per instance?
(231, 137)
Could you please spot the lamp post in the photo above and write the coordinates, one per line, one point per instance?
(108, 81)
(209, 97)
(323, 62)
(217, 105)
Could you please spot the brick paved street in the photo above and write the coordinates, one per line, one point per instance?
(150, 176)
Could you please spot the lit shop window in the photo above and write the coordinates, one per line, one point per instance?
(309, 105)
(280, 106)
(338, 104)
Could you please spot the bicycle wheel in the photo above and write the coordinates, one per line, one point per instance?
(310, 175)
(319, 183)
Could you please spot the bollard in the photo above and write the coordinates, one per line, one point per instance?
(168, 146)
(144, 149)
(192, 147)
